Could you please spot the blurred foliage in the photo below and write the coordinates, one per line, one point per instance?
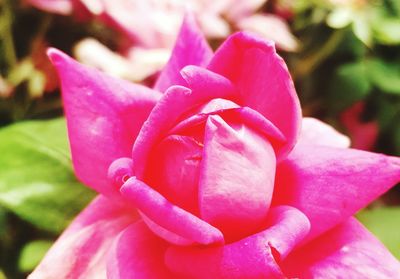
(37, 181)
(38, 187)
(350, 53)
(32, 253)
(380, 221)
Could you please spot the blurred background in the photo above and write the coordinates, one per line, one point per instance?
(344, 56)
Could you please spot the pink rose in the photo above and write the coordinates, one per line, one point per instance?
(214, 178)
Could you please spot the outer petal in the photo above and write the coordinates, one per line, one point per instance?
(236, 178)
(331, 184)
(262, 79)
(347, 251)
(81, 249)
(191, 48)
(256, 256)
(137, 253)
(314, 131)
(168, 216)
(104, 116)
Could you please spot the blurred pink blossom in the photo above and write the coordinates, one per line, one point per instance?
(62, 7)
(153, 24)
(363, 134)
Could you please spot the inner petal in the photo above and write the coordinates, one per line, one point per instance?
(236, 178)
(174, 170)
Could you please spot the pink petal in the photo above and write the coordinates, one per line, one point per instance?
(204, 82)
(262, 79)
(80, 251)
(62, 7)
(236, 178)
(104, 116)
(168, 216)
(257, 256)
(331, 184)
(177, 101)
(137, 253)
(149, 24)
(314, 131)
(213, 25)
(175, 162)
(136, 65)
(245, 115)
(347, 251)
(238, 9)
(191, 48)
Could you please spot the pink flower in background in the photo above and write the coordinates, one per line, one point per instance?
(62, 7)
(153, 25)
(210, 175)
(363, 134)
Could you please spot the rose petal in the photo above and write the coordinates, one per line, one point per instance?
(348, 250)
(174, 103)
(236, 178)
(137, 253)
(263, 81)
(314, 131)
(191, 48)
(331, 184)
(201, 81)
(256, 256)
(104, 116)
(174, 170)
(80, 251)
(169, 216)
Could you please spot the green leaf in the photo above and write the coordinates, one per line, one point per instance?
(349, 84)
(2, 276)
(393, 6)
(37, 181)
(383, 223)
(384, 75)
(32, 253)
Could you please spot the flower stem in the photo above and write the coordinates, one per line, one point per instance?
(6, 34)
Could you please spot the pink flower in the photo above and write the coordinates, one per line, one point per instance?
(62, 7)
(210, 175)
(363, 133)
(154, 24)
